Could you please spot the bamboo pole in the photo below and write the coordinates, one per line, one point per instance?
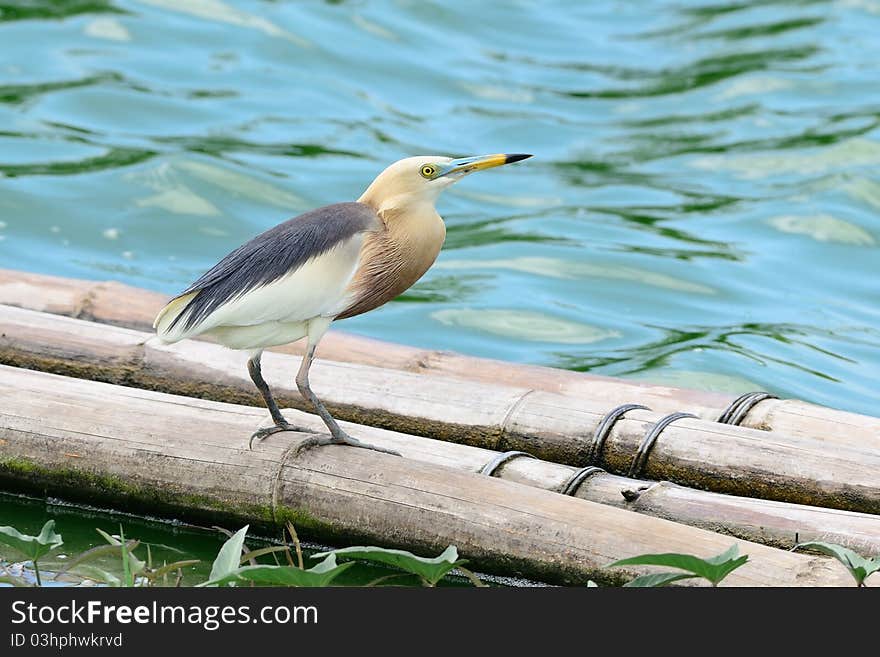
(122, 305)
(779, 524)
(175, 454)
(691, 452)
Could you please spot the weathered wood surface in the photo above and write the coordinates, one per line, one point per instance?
(122, 305)
(165, 453)
(829, 473)
(779, 524)
(72, 344)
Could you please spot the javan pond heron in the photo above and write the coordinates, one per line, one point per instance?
(338, 261)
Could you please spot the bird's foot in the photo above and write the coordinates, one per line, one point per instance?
(340, 439)
(262, 434)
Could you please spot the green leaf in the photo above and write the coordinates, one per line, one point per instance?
(728, 555)
(131, 565)
(321, 575)
(97, 574)
(713, 569)
(657, 579)
(94, 553)
(32, 546)
(229, 556)
(112, 540)
(127, 574)
(432, 570)
(136, 565)
(859, 567)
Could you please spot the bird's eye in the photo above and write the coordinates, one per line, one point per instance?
(428, 171)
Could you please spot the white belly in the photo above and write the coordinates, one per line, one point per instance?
(259, 336)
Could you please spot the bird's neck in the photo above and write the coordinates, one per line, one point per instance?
(412, 222)
(415, 231)
(418, 230)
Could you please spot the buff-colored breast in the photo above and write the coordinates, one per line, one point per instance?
(394, 258)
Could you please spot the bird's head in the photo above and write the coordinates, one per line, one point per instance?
(416, 181)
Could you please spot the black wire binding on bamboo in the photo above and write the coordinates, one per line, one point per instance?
(604, 428)
(573, 483)
(500, 459)
(641, 457)
(740, 407)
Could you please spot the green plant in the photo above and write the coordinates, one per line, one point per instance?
(714, 569)
(857, 565)
(34, 547)
(321, 575)
(228, 571)
(234, 564)
(430, 571)
(131, 565)
(229, 557)
(132, 568)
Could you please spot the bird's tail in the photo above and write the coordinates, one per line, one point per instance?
(166, 317)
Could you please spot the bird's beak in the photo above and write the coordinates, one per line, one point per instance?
(467, 165)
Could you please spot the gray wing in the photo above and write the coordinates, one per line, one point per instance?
(273, 254)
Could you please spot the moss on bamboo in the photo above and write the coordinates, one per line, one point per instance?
(26, 476)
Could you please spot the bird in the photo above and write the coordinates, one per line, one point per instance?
(338, 261)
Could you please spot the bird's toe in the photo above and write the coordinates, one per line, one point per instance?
(354, 442)
(342, 439)
(262, 434)
(310, 443)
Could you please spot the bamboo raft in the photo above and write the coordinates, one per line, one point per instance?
(692, 452)
(794, 479)
(154, 451)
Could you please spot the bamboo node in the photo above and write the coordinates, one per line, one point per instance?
(740, 407)
(499, 460)
(641, 456)
(573, 483)
(604, 428)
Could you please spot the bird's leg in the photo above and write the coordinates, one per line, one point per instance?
(337, 435)
(281, 424)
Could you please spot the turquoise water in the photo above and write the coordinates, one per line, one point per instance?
(702, 207)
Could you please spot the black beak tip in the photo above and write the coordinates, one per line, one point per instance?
(516, 157)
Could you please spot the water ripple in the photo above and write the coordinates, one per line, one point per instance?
(702, 208)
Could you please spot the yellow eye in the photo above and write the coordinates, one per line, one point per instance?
(428, 171)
